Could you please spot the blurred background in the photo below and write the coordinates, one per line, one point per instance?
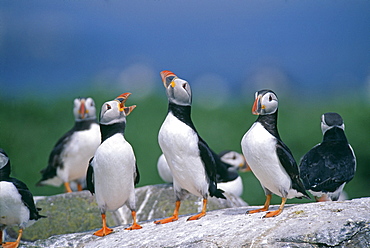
(314, 54)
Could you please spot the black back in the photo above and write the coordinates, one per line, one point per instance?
(330, 164)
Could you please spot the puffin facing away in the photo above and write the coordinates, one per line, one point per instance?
(16, 205)
(113, 172)
(227, 177)
(70, 156)
(328, 166)
(269, 158)
(192, 163)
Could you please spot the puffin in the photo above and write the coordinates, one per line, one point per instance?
(192, 163)
(269, 158)
(231, 163)
(17, 207)
(112, 172)
(70, 156)
(328, 166)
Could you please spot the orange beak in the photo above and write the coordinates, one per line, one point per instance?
(82, 110)
(167, 78)
(255, 106)
(122, 99)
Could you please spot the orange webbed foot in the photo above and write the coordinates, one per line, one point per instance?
(257, 210)
(134, 227)
(103, 232)
(197, 216)
(11, 245)
(166, 220)
(273, 213)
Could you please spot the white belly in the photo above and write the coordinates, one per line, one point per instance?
(179, 144)
(114, 167)
(163, 169)
(259, 149)
(234, 187)
(12, 209)
(77, 155)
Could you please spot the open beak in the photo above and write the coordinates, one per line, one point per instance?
(168, 78)
(122, 99)
(257, 105)
(82, 111)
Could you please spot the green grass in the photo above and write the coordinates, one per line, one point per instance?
(29, 129)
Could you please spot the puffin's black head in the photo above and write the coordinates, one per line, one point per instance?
(330, 120)
(84, 109)
(265, 103)
(178, 90)
(4, 164)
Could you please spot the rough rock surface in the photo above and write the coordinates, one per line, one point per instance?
(329, 224)
(78, 211)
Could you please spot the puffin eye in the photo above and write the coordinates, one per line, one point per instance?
(270, 98)
(108, 106)
(184, 85)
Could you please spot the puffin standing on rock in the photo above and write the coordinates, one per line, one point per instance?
(328, 166)
(113, 173)
(269, 158)
(192, 163)
(16, 203)
(70, 156)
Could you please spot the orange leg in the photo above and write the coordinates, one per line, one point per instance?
(16, 243)
(68, 188)
(172, 218)
(276, 212)
(105, 230)
(201, 214)
(134, 225)
(79, 187)
(265, 207)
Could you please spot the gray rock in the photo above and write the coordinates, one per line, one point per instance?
(78, 211)
(158, 201)
(328, 224)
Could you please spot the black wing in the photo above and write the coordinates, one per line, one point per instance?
(225, 172)
(327, 166)
(90, 177)
(55, 159)
(209, 160)
(27, 198)
(136, 175)
(287, 161)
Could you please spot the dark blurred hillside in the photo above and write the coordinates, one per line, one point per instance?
(29, 128)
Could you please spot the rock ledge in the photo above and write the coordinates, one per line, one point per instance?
(338, 224)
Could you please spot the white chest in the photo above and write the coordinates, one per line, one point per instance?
(12, 209)
(179, 144)
(78, 152)
(114, 168)
(259, 149)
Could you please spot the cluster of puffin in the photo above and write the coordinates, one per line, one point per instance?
(97, 156)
